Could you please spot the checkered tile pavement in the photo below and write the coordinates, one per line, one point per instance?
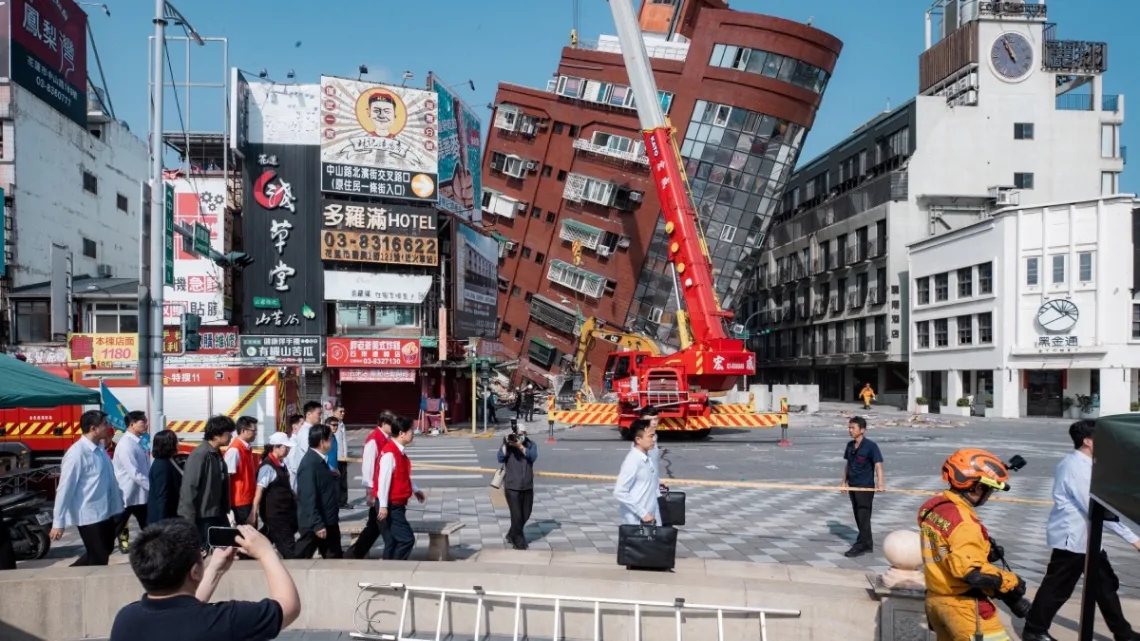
(766, 526)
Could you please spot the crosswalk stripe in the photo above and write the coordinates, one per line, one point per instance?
(447, 477)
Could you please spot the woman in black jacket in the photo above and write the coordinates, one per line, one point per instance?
(165, 478)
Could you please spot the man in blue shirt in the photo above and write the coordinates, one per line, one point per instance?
(638, 485)
(864, 469)
(1067, 534)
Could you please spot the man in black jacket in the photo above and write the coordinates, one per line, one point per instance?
(205, 496)
(318, 514)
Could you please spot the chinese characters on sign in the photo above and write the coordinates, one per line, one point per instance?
(198, 285)
(397, 234)
(372, 352)
(49, 53)
(375, 248)
(1057, 341)
(277, 318)
(214, 340)
(358, 375)
(104, 350)
(376, 288)
(301, 350)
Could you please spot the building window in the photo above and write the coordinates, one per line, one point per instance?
(1031, 271)
(1023, 131)
(986, 278)
(574, 130)
(546, 169)
(557, 128)
(941, 333)
(115, 318)
(535, 212)
(526, 252)
(966, 282)
(1086, 267)
(611, 287)
(506, 329)
(518, 334)
(504, 284)
(33, 322)
(986, 328)
(1023, 180)
(90, 249)
(540, 258)
(550, 216)
(122, 203)
(1058, 269)
(1109, 183)
(561, 175)
(90, 183)
(922, 333)
(1136, 322)
(515, 291)
(941, 287)
(923, 287)
(965, 330)
(773, 65)
(529, 295)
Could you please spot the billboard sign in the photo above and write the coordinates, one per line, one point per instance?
(287, 350)
(460, 154)
(476, 283)
(199, 284)
(374, 233)
(378, 140)
(374, 352)
(365, 287)
(48, 53)
(359, 375)
(104, 350)
(283, 286)
(214, 341)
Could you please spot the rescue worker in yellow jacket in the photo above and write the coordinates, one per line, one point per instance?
(958, 553)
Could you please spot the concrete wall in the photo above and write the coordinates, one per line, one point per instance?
(769, 401)
(65, 604)
(51, 206)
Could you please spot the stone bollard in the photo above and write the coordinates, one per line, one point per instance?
(902, 590)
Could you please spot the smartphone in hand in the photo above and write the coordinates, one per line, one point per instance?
(222, 537)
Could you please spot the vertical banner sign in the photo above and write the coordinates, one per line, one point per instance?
(168, 210)
(49, 53)
(199, 285)
(460, 155)
(476, 283)
(378, 140)
(3, 242)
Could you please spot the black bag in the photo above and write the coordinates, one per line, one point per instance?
(647, 546)
(672, 506)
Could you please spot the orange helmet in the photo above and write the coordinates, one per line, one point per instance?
(970, 466)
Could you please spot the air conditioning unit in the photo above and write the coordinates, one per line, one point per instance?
(103, 271)
(496, 165)
(636, 196)
(511, 245)
(604, 250)
(532, 165)
(520, 206)
(623, 242)
(1007, 199)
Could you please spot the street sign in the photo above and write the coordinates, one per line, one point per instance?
(201, 240)
(168, 268)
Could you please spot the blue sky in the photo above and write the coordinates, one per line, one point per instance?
(519, 41)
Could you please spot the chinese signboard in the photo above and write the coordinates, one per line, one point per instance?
(356, 375)
(378, 140)
(476, 283)
(292, 350)
(198, 285)
(374, 352)
(104, 350)
(376, 233)
(376, 288)
(283, 285)
(460, 154)
(168, 234)
(49, 53)
(1057, 343)
(215, 340)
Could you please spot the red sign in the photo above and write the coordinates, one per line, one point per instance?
(49, 53)
(401, 353)
(215, 340)
(354, 375)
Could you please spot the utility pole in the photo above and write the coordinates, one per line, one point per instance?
(157, 222)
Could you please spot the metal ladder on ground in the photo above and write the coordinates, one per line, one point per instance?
(370, 592)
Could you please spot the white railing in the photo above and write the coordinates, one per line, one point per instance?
(586, 145)
(663, 51)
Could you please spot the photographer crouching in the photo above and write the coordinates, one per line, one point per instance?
(517, 455)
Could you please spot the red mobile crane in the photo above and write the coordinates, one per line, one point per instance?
(678, 384)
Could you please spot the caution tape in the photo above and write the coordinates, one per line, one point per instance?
(756, 485)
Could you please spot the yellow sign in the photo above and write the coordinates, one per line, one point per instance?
(104, 350)
(366, 247)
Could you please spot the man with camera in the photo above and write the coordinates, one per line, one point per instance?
(958, 554)
(517, 455)
(1067, 534)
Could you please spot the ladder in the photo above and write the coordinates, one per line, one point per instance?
(370, 592)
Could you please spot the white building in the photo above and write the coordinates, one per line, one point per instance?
(1027, 308)
(1007, 114)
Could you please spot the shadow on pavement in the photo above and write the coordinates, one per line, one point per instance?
(9, 633)
(845, 532)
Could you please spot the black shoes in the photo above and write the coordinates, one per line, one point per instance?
(857, 550)
(1036, 636)
(518, 543)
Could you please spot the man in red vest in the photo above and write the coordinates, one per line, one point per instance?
(369, 471)
(394, 488)
(243, 471)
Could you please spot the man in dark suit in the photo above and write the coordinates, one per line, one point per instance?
(318, 494)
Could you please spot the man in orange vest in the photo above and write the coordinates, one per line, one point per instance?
(394, 489)
(369, 471)
(243, 471)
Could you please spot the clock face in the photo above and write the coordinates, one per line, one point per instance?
(1012, 56)
(1058, 315)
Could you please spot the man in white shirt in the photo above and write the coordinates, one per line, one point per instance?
(341, 436)
(132, 471)
(88, 495)
(312, 412)
(369, 470)
(1067, 534)
(638, 484)
(394, 488)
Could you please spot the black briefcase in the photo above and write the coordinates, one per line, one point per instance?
(651, 547)
(672, 505)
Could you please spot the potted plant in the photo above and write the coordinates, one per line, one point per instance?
(1088, 406)
(922, 405)
(1072, 408)
(990, 411)
(964, 406)
(1134, 407)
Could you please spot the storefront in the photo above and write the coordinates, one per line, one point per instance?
(371, 375)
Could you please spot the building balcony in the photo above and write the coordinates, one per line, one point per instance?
(582, 144)
(1110, 102)
(577, 231)
(1074, 102)
(580, 280)
(654, 48)
(557, 317)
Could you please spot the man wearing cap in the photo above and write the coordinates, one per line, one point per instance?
(274, 499)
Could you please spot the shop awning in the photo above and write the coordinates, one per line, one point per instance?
(543, 343)
(499, 237)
